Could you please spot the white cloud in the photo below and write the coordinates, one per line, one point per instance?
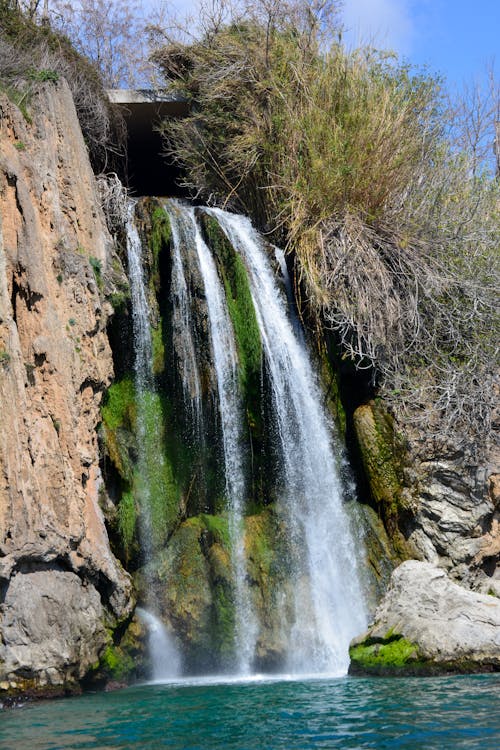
(383, 23)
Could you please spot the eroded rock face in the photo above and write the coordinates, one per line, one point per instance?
(440, 502)
(426, 623)
(55, 362)
(455, 503)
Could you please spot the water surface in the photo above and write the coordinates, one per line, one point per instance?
(433, 713)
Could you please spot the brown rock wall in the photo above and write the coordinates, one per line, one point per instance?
(55, 362)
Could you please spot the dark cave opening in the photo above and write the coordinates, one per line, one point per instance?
(146, 169)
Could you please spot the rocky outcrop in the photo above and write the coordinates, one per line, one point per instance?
(455, 518)
(439, 502)
(61, 589)
(427, 624)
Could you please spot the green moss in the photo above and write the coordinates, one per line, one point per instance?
(158, 346)
(127, 519)
(154, 480)
(192, 580)
(382, 454)
(242, 313)
(390, 654)
(116, 664)
(224, 621)
(218, 526)
(330, 378)
(119, 408)
(159, 238)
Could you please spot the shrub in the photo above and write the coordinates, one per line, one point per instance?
(342, 157)
(31, 54)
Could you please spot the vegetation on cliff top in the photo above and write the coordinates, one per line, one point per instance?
(346, 158)
(34, 52)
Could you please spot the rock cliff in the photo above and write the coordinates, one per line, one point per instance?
(439, 500)
(61, 590)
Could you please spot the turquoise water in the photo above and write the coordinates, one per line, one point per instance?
(440, 713)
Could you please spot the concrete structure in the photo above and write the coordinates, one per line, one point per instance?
(148, 172)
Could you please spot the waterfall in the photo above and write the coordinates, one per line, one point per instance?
(166, 662)
(328, 605)
(303, 615)
(143, 373)
(150, 459)
(181, 313)
(230, 408)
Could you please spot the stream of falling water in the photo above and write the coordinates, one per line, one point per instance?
(328, 604)
(165, 661)
(325, 596)
(231, 415)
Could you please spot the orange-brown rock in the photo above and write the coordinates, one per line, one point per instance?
(60, 585)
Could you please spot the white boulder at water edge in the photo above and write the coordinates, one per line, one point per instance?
(427, 623)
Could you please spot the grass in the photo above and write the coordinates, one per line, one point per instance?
(342, 156)
(97, 269)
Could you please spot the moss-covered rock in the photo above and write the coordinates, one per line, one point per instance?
(427, 624)
(192, 582)
(393, 655)
(124, 659)
(269, 561)
(145, 475)
(331, 382)
(241, 311)
(382, 453)
(119, 414)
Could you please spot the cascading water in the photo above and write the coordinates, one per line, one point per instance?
(149, 459)
(329, 611)
(166, 661)
(181, 313)
(230, 408)
(291, 594)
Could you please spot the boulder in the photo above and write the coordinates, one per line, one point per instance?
(427, 624)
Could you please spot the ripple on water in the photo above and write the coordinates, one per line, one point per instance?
(269, 714)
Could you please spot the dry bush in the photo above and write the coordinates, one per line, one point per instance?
(114, 199)
(343, 158)
(31, 53)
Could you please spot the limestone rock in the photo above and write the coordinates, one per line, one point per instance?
(426, 623)
(55, 363)
(439, 502)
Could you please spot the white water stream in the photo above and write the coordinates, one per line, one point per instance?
(164, 655)
(328, 605)
(325, 596)
(231, 415)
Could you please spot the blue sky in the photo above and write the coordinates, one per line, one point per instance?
(455, 38)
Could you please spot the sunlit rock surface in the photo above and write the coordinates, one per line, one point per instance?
(59, 583)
